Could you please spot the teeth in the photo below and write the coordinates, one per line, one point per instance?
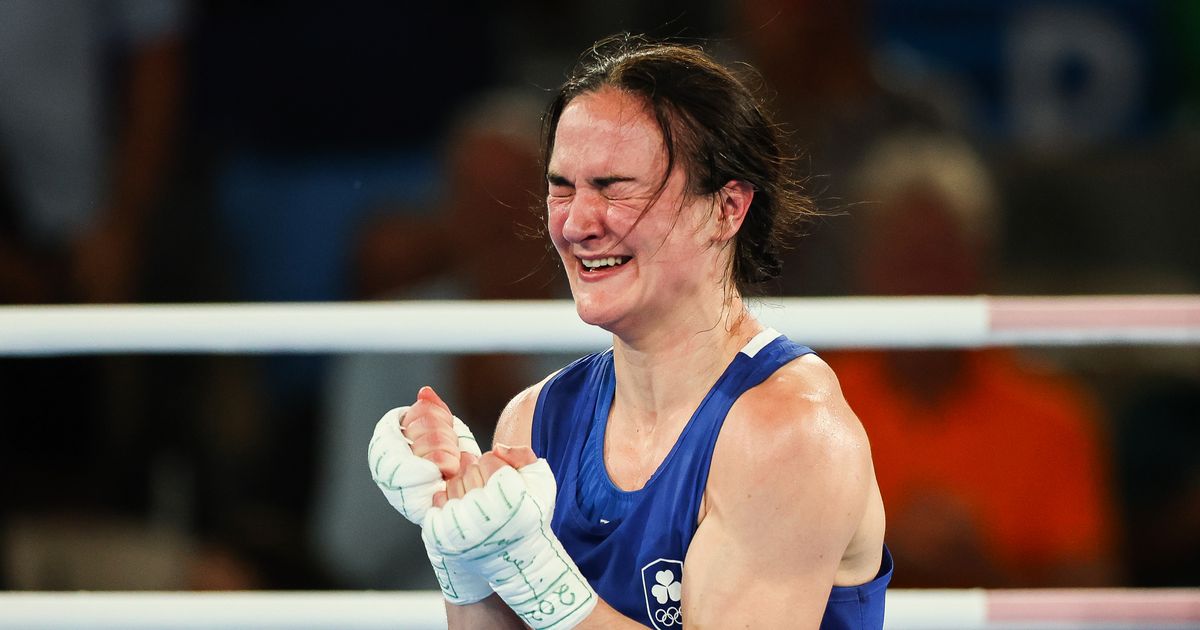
(611, 261)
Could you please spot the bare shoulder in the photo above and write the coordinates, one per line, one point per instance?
(796, 443)
(798, 416)
(515, 426)
(790, 494)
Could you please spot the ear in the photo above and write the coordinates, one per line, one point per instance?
(733, 202)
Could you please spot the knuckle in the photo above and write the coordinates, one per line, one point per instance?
(414, 413)
(432, 439)
(444, 460)
(414, 435)
(439, 442)
(428, 453)
(428, 423)
(421, 446)
(424, 412)
(415, 421)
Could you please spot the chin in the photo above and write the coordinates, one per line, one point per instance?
(592, 317)
(601, 315)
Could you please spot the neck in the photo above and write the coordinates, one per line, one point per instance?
(663, 375)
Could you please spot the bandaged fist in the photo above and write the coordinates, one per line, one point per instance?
(495, 523)
(475, 471)
(412, 451)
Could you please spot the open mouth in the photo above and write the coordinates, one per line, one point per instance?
(600, 264)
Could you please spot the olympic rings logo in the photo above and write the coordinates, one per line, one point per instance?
(669, 616)
(662, 585)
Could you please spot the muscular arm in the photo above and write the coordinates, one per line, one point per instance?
(790, 484)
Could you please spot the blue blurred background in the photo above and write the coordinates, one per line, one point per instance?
(172, 151)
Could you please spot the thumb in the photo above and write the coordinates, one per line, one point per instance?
(516, 456)
(427, 394)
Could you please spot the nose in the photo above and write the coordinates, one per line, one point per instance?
(585, 218)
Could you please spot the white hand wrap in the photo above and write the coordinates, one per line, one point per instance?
(409, 483)
(502, 532)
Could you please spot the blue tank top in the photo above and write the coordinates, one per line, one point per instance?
(631, 545)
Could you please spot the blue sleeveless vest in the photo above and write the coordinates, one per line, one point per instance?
(631, 545)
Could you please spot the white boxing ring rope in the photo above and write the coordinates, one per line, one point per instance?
(544, 326)
(533, 327)
(423, 610)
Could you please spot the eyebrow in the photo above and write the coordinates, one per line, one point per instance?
(598, 182)
(605, 182)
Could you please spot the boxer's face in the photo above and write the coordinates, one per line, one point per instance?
(607, 171)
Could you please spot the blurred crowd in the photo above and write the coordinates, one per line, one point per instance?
(173, 151)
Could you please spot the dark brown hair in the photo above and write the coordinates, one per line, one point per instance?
(713, 125)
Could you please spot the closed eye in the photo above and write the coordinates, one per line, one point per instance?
(619, 190)
(559, 186)
(615, 186)
(611, 187)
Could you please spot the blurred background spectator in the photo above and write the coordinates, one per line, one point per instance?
(90, 112)
(218, 150)
(88, 121)
(991, 465)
